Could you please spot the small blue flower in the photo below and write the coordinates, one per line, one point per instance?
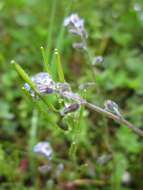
(43, 148)
(97, 59)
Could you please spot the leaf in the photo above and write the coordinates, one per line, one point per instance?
(58, 69)
(45, 58)
(119, 166)
(23, 75)
(50, 29)
(128, 141)
(72, 151)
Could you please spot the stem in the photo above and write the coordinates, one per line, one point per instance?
(88, 54)
(81, 101)
(114, 117)
(82, 182)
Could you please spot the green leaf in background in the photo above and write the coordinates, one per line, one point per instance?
(72, 150)
(128, 140)
(122, 38)
(119, 167)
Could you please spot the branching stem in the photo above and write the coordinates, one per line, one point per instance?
(75, 97)
(116, 118)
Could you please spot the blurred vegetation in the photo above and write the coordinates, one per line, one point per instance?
(115, 32)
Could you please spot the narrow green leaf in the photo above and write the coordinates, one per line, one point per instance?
(79, 120)
(45, 60)
(59, 66)
(60, 38)
(72, 151)
(27, 94)
(50, 29)
(23, 74)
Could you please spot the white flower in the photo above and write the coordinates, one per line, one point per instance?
(126, 178)
(43, 148)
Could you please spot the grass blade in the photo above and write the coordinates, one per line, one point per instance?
(45, 60)
(62, 30)
(50, 30)
(23, 75)
(60, 37)
(59, 67)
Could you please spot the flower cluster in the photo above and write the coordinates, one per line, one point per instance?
(76, 26)
(45, 85)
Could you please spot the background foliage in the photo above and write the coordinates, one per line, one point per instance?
(115, 31)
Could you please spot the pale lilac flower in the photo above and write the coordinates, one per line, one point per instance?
(43, 148)
(75, 25)
(97, 59)
(74, 20)
(43, 83)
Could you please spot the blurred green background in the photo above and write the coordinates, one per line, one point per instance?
(108, 156)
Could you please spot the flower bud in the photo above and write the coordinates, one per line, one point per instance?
(112, 107)
(69, 108)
